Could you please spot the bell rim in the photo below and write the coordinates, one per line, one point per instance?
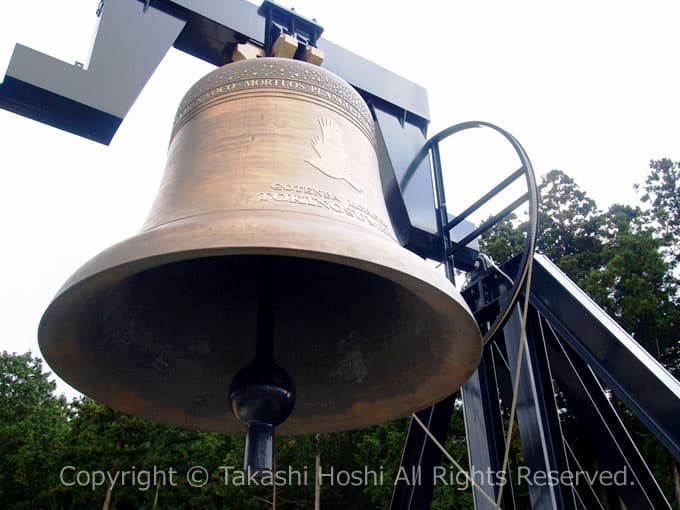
(426, 285)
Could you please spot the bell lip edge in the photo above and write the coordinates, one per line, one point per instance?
(129, 268)
(138, 265)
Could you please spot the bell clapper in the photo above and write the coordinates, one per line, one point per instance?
(262, 394)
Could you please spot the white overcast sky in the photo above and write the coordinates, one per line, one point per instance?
(588, 87)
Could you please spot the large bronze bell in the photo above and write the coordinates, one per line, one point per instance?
(272, 182)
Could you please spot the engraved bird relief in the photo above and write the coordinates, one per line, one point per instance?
(327, 145)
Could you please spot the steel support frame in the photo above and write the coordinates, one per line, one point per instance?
(537, 415)
(558, 348)
(640, 381)
(483, 419)
(602, 426)
(420, 455)
(91, 99)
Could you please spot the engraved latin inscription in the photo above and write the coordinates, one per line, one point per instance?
(283, 83)
(313, 197)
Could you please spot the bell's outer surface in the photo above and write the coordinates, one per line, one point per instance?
(272, 164)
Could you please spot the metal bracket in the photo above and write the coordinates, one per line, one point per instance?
(279, 20)
(92, 102)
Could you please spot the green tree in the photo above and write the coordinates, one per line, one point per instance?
(455, 494)
(626, 259)
(569, 224)
(504, 240)
(380, 448)
(634, 283)
(661, 191)
(616, 256)
(102, 439)
(33, 426)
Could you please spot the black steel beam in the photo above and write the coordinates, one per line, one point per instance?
(413, 205)
(92, 99)
(485, 198)
(120, 66)
(586, 497)
(603, 429)
(55, 110)
(615, 357)
(553, 438)
(536, 414)
(640, 381)
(242, 19)
(484, 431)
(421, 455)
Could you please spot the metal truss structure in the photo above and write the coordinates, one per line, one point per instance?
(575, 351)
(574, 346)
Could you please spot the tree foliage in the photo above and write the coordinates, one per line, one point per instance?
(569, 224)
(33, 428)
(626, 258)
(661, 191)
(619, 256)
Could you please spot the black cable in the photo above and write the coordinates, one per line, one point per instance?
(532, 196)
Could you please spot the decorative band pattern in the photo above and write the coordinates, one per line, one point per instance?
(276, 73)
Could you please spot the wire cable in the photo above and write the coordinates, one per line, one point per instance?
(521, 281)
(453, 461)
(532, 225)
(515, 385)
